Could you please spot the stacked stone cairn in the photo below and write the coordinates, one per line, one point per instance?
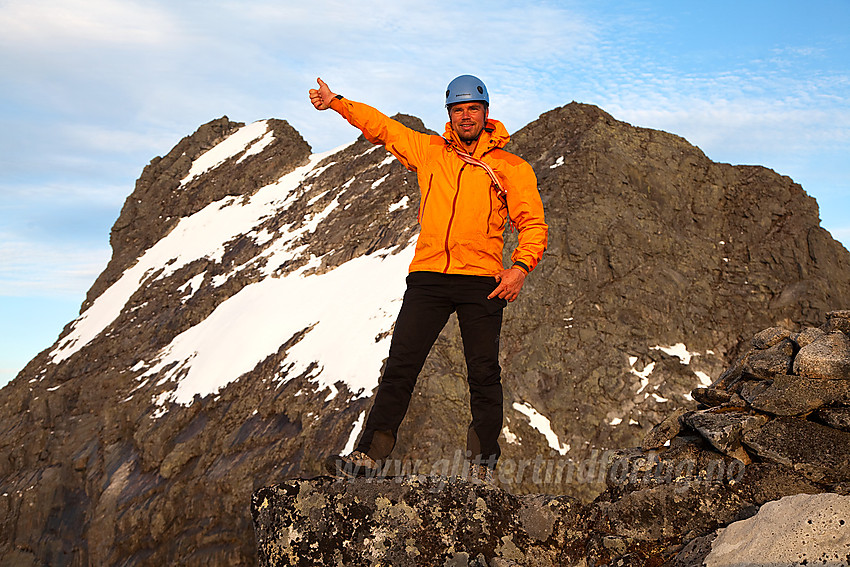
(787, 401)
(774, 425)
(774, 428)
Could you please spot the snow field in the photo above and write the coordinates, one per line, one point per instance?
(346, 312)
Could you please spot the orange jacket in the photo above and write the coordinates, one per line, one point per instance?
(460, 213)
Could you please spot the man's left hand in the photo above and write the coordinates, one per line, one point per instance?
(510, 282)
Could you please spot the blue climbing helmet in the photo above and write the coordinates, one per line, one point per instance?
(466, 88)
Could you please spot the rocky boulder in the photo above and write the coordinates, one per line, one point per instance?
(413, 521)
(714, 485)
(796, 530)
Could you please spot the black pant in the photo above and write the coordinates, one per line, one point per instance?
(429, 300)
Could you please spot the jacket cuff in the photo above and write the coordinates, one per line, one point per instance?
(521, 266)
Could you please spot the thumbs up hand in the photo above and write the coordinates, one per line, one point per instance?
(321, 98)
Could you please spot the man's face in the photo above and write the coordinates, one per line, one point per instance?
(468, 120)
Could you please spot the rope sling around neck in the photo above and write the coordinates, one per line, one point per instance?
(500, 191)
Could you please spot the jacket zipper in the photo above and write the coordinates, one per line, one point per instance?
(489, 195)
(451, 219)
(425, 200)
(490, 208)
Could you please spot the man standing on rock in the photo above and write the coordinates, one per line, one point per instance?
(470, 190)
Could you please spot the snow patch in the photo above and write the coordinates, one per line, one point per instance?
(679, 350)
(542, 424)
(316, 198)
(262, 237)
(258, 146)
(233, 145)
(334, 391)
(355, 434)
(643, 374)
(377, 183)
(404, 203)
(203, 234)
(251, 325)
(369, 151)
(313, 221)
(559, 162)
(190, 287)
(704, 379)
(510, 437)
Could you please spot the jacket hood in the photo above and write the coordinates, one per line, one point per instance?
(494, 135)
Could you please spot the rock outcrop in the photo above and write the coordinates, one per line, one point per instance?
(137, 439)
(412, 521)
(796, 530)
(724, 468)
(163, 194)
(661, 266)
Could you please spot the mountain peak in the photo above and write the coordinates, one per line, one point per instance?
(237, 333)
(168, 190)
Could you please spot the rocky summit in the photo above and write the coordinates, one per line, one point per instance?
(235, 337)
(745, 478)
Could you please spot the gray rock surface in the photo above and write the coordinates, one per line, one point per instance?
(819, 452)
(669, 428)
(827, 357)
(725, 430)
(796, 530)
(838, 417)
(797, 395)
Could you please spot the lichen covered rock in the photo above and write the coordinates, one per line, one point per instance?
(412, 521)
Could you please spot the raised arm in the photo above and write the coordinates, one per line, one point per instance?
(409, 146)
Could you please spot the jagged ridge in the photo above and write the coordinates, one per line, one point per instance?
(660, 263)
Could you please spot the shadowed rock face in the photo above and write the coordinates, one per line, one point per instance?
(661, 265)
(725, 464)
(651, 245)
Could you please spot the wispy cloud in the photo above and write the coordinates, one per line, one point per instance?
(29, 269)
(99, 87)
(50, 24)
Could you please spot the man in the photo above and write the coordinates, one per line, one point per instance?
(470, 189)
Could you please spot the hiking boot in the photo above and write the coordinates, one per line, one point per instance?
(481, 474)
(353, 465)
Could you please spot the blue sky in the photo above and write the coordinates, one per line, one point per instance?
(92, 90)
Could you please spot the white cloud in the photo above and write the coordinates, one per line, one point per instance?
(95, 138)
(52, 195)
(740, 124)
(30, 269)
(31, 24)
